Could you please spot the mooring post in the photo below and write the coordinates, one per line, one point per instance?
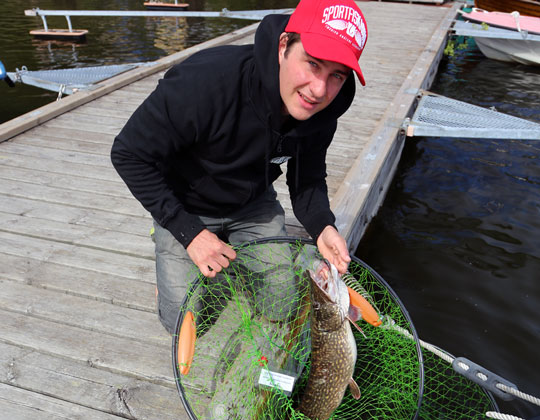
(44, 19)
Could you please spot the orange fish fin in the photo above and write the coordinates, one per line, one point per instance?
(355, 391)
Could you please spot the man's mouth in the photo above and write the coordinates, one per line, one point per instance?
(305, 98)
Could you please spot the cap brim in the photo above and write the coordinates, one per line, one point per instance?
(325, 48)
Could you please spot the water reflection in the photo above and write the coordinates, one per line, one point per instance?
(171, 31)
(52, 52)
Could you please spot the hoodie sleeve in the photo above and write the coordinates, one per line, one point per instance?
(306, 179)
(145, 144)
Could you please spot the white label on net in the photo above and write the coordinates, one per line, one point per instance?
(276, 380)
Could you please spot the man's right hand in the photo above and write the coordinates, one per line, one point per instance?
(210, 253)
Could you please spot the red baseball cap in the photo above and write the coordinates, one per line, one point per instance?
(333, 30)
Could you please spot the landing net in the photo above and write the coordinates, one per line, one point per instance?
(252, 347)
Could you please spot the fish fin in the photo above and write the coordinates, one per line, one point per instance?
(355, 313)
(355, 391)
(356, 326)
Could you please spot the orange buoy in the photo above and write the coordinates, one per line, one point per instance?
(186, 343)
(369, 314)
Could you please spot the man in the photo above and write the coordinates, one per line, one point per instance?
(202, 151)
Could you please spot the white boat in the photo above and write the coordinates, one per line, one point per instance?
(502, 44)
(510, 50)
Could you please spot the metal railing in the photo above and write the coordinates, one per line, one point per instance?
(242, 14)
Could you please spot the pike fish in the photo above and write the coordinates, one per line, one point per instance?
(333, 347)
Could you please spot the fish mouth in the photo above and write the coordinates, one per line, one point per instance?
(324, 279)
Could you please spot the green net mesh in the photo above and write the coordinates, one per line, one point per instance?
(450, 396)
(254, 319)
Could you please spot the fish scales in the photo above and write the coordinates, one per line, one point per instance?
(333, 350)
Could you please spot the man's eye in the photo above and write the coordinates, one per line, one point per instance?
(338, 76)
(313, 64)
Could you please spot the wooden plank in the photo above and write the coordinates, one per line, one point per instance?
(101, 125)
(72, 144)
(77, 216)
(82, 236)
(85, 314)
(20, 404)
(124, 205)
(57, 155)
(67, 182)
(81, 384)
(105, 109)
(74, 35)
(106, 263)
(120, 101)
(92, 119)
(143, 361)
(42, 163)
(75, 281)
(122, 96)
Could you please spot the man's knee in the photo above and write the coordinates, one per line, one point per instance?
(174, 272)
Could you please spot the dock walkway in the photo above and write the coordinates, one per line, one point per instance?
(79, 337)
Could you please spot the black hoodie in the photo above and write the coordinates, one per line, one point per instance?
(210, 139)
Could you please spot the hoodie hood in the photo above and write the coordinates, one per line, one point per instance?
(265, 83)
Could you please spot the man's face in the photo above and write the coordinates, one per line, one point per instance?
(307, 85)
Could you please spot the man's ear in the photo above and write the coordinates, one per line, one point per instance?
(283, 38)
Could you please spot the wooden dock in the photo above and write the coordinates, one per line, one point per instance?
(79, 337)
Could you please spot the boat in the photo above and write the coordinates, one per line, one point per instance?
(503, 36)
(524, 7)
(514, 20)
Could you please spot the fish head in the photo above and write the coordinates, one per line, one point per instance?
(329, 296)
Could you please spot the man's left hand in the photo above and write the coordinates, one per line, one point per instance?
(333, 247)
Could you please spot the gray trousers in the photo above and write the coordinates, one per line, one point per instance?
(262, 218)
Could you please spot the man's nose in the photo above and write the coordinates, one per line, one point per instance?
(318, 87)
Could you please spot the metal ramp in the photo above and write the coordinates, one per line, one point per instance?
(69, 81)
(438, 116)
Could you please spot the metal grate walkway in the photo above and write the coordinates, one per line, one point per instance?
(69, 81)
(438, 116)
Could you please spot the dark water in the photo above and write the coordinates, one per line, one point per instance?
(111, 40)
(458, 236)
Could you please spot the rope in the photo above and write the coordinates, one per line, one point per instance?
(434, 349)
(515, 15)
(517, 393)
